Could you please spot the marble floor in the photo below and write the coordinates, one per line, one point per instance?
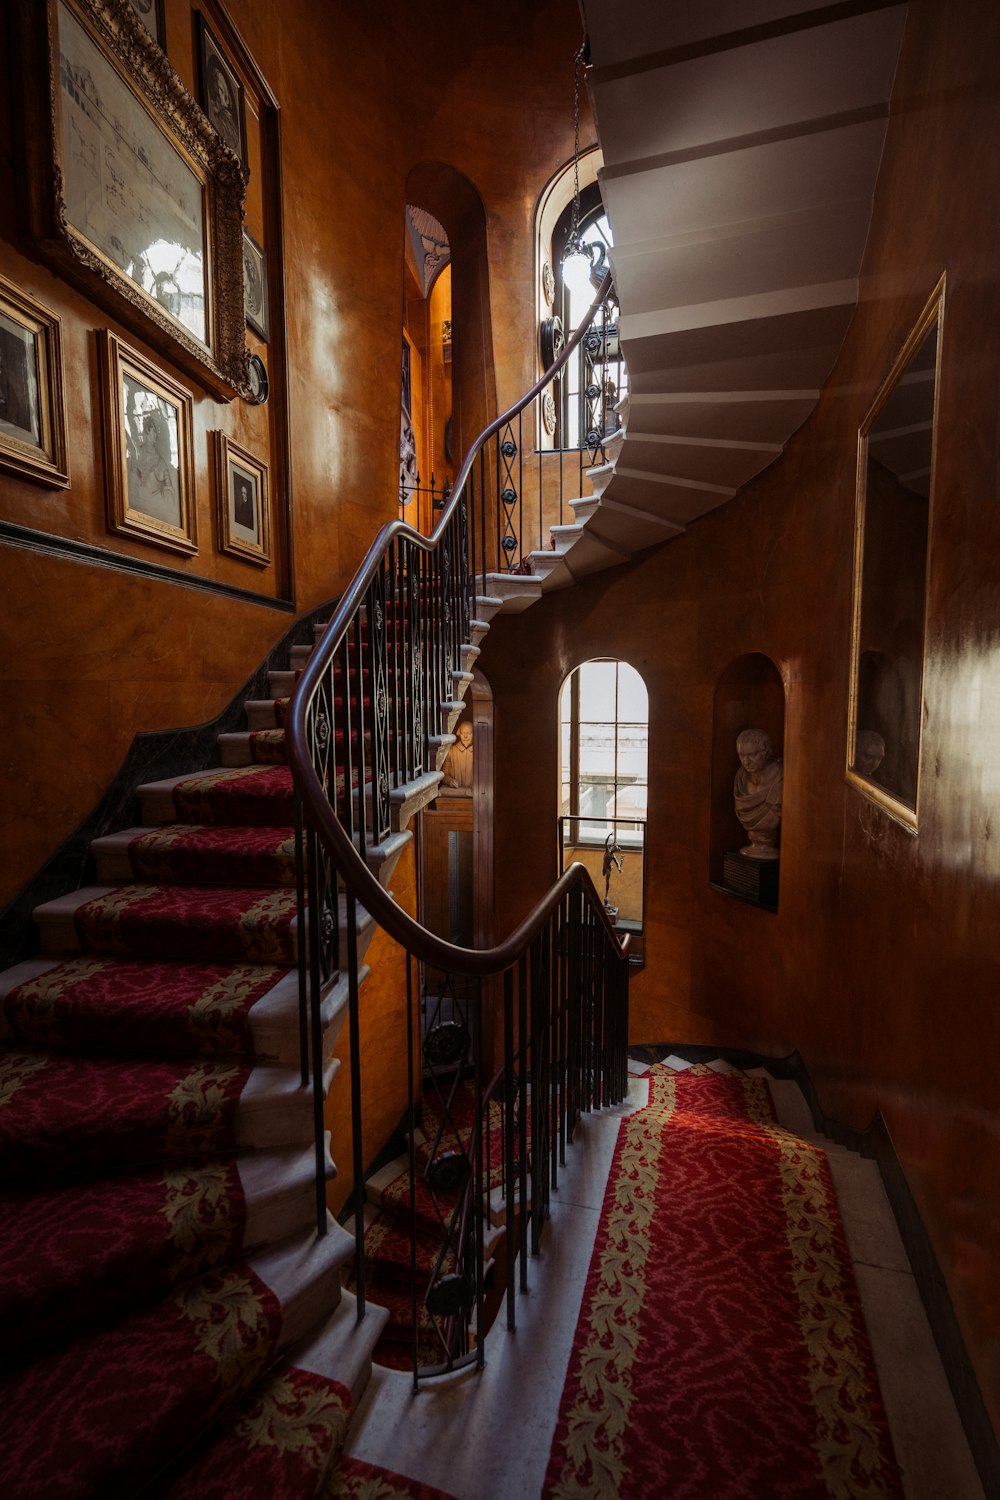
(486, 1435)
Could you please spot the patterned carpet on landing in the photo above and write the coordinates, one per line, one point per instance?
(720, 1352)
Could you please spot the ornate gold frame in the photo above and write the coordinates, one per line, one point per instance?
(893, 806)
(45, 461)
(119, 362)
(228, 455)
(162, 102)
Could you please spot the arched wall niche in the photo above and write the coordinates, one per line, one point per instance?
(454, 201)
(749, 694)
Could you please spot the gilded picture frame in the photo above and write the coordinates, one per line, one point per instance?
(130, 192)
(148, 419)
(243, 503)
(220, 91)
(150, 13)
(894, 513)
(255, 285)
(32, 404)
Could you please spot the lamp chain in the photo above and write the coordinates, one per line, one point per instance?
(574, 224)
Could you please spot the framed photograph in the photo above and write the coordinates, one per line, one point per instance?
(255, 284)
(130, 192)
(220, 91)
(32, 411)
(150, 13)
(148, 423)
(243, 503)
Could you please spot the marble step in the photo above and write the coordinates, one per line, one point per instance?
(59, 933)
(273, 1020)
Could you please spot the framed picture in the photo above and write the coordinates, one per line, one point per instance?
(148, 422)
(243, 503)
(150, 13)
(130, 192)
(220, 91)
(32, 411)
(255, 284)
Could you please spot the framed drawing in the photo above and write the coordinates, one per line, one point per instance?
(148, 421)
(243, 503)
(32, 411)
(220, 91)
(255, 284)
(130, 191)
(150, 13)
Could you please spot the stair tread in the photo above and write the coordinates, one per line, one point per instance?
(130, 1007)
(104, 1414)
(162, 1373)
(135, 1236)
(199, 853)
(311, 1411)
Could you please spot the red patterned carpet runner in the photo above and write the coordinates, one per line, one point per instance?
(721, 1352)
(353, 1479)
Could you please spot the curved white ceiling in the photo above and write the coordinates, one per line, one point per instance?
(741, 143)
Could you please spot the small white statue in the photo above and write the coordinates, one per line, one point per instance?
(614, 859)
(757, 792)
(458, 762)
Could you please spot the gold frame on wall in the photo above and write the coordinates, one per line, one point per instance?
(148, 439)
(130, 121)
(893, 802)
(33, 439)
(235, 467)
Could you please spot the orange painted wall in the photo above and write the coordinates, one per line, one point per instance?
(91, 656)
(882, 964)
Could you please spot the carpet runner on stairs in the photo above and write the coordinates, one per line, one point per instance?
(157, 1176)
(720, 1352)
(446, 1120)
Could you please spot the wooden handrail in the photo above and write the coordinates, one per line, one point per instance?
(318, 809)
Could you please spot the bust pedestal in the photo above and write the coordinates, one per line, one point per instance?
(754, 879)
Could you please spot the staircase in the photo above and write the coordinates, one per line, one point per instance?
(169, 1302)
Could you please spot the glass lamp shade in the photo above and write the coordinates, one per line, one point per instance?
(576, 268)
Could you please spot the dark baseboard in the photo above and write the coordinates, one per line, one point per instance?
(875, 1143)
(151, 757)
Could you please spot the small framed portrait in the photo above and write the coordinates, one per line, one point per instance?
(32, 411)
(150, 13)
(148, 422)
(220, 91)
(255, 284)
(243, 503)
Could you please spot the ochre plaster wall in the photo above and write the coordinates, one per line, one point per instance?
(882, 963)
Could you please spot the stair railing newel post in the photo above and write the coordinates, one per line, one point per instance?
(523, 1103)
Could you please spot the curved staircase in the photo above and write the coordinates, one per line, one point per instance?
(173, 1316)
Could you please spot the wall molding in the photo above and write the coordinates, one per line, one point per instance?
(875, 1143)
(151, 757)
(122, 562)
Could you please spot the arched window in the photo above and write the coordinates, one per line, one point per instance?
(604, 733)
(595, 380)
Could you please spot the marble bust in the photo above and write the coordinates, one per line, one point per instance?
(458, 762)
(757, 793)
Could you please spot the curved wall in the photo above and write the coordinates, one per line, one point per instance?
(881, 965)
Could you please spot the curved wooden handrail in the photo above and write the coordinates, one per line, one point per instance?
(352, 598)
(365, 887)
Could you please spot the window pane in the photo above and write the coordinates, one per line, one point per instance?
(597, 690)
(633, 700)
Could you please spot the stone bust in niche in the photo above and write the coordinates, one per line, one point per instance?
(757, 793)
(458, 763)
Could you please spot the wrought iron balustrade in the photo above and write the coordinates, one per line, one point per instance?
(364, 730)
